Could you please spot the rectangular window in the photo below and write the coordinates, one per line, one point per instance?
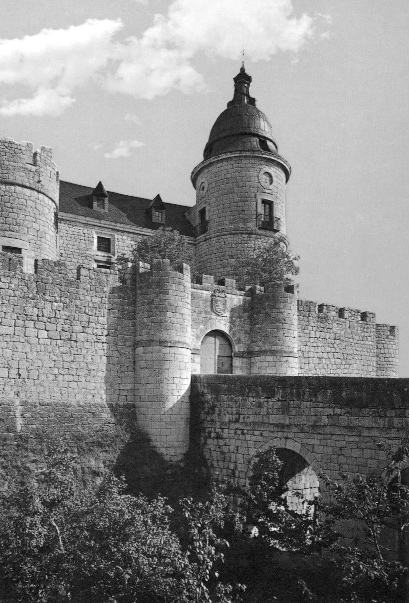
(266, 219)
(268, 214)
(8, 249)
(104, 244)
(100, 203)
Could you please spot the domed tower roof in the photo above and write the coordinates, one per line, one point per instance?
(241, 126)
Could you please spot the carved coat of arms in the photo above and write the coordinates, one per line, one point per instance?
(219, 301)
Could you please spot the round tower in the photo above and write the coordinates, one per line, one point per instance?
(162, 356)
(240, 185)
(29, 187)
(274, 331)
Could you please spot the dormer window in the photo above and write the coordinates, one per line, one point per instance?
(99, 198)
(156, 210)
(158, 215)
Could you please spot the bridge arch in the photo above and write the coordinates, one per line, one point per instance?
(300, 471)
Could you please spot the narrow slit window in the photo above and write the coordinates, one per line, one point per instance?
(203, 223)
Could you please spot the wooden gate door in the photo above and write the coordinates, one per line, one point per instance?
(216, 354)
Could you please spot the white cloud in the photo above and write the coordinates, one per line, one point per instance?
(124, 149)
(133, 118)
(161, 59)
(44, 102)
(54, 63)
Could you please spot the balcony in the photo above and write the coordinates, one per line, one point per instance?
(273, 224)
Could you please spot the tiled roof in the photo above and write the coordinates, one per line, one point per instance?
(122, 209)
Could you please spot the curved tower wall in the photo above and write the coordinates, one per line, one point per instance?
(162, 356)
(274, 327)
(232, 187)
(29, 188)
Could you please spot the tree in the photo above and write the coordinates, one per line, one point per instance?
(61, 541)
(289, 553)
(165, 243)
(372, 504)
(269, 262)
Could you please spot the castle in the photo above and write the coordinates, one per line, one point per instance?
(254, 366)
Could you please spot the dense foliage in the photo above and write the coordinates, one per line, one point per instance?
(62, 541)
(269, 262)
(165, 243)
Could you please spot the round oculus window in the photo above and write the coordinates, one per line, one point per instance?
(266, 178)
(202, 187)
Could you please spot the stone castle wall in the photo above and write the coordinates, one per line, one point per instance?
(66, 361)
(344, 342)
(273, 334)
(333, 423)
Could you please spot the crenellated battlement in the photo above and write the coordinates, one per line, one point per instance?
(164, 265)
(307, 307)
(54, 273)
(20, 165)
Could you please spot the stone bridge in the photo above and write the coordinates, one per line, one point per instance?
(329, 424)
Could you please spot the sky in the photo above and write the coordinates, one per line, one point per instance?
(126, 91)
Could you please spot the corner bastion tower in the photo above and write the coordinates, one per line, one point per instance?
(29, 183)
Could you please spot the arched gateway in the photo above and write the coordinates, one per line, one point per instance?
(216, 354)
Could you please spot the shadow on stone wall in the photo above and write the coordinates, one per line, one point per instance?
(144, 468)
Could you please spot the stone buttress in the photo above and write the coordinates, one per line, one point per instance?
(163, 356)
(29, 190)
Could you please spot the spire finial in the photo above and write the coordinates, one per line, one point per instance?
(242, 68)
